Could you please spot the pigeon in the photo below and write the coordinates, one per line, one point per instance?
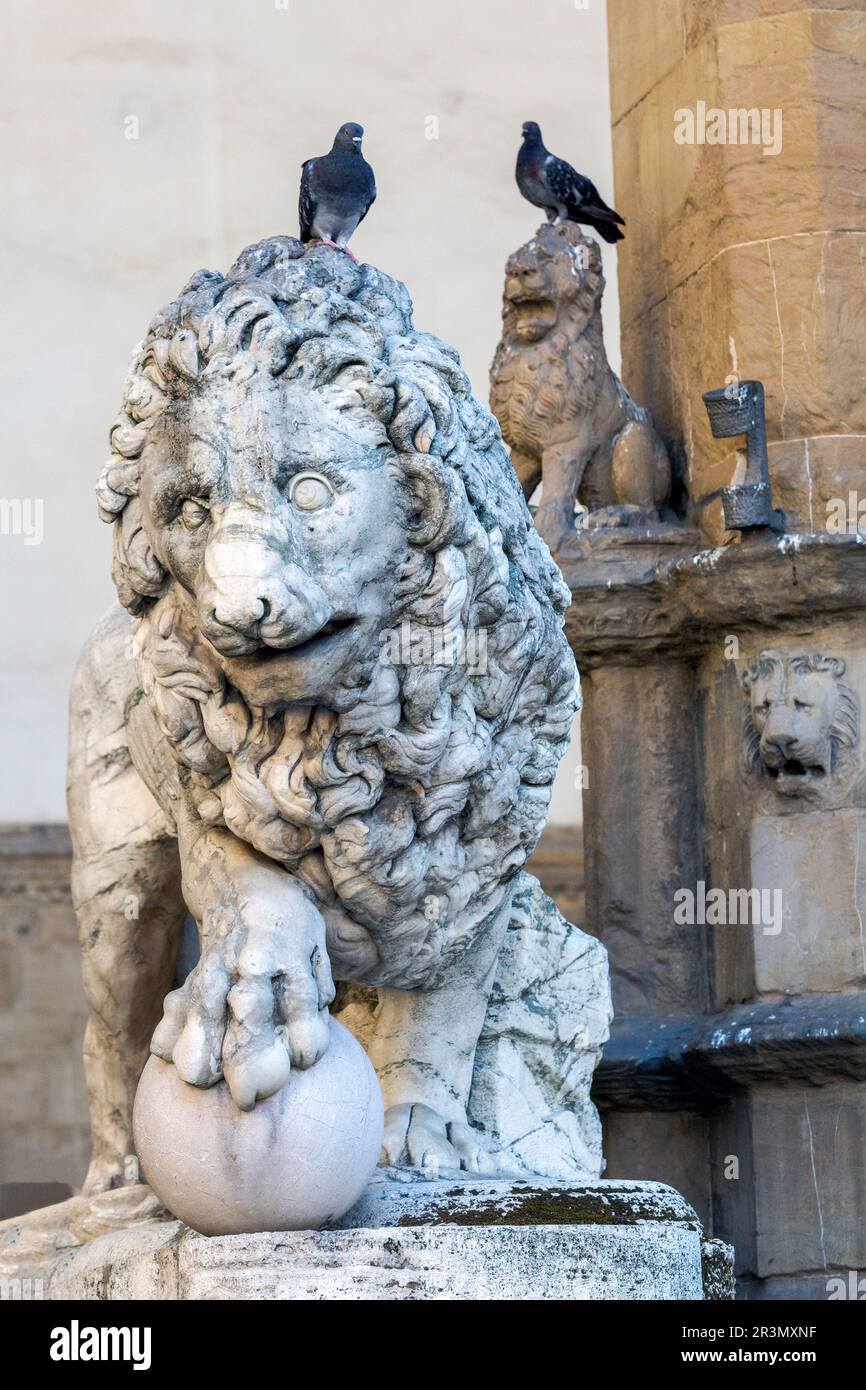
(552, 184)
(337, 190)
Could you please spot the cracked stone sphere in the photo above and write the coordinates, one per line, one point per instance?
(294, 1162)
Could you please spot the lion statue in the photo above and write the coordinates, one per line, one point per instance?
(569, 420)
(284, 730)
(801, 722)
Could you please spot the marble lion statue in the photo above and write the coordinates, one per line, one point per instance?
(323, 721)
(569, 420)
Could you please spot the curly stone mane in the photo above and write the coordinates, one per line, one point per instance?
(408, 803)
(843, 730)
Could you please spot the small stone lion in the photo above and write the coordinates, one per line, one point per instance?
(325, 721)
(569, 420)
(801, 722)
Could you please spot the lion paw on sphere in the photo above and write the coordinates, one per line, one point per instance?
(256, 1003)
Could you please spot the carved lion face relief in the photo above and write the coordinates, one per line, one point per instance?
(800, 720)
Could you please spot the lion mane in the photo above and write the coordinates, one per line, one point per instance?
(843, 730)
(408, 804)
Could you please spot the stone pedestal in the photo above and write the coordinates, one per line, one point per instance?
(404, 1241)
(723, 698)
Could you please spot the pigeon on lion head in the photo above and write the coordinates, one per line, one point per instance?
(341, 686)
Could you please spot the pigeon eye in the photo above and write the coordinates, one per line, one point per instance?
(310, 492)
(194, 513)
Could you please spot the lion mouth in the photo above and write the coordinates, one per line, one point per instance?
(269, 652)
(792, 767)
(336, 627)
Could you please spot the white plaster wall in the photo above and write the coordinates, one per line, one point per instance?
(100, 230)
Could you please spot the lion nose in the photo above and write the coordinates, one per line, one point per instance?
(243, 612)
(781, 745)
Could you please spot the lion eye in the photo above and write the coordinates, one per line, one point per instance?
(194, 513)
(310, 492)
(801, 705)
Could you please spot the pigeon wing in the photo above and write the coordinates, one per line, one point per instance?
(370, 196)
(567, 185)
(306, 201)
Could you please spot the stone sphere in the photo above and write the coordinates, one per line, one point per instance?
(294, 1162)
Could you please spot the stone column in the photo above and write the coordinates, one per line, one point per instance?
(642, 833)
(745, 259)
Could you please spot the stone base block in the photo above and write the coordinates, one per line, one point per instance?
(404, 1240)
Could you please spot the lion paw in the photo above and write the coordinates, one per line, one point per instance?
(416, 1136)
(254, 1006)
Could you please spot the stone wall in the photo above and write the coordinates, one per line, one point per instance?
(44, 1135)
(739, 263)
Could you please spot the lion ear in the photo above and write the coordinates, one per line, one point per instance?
(137, 573)
(440, 501)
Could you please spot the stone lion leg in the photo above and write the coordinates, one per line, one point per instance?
(528, 470)
(640, 467)
(563, 467)
(256, 1003)
(423, 1049)
(126, 891)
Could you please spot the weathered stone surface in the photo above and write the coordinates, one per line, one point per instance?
(690, 1063)
(42, 1011)
(547, 1019)
(645, 1142)
(816, 862)
(743, 260)
(688, 602)
(656, 43)
(811, 476)
(717, 1264)
(810, 1175)
(546, 1023)
(32, 1244)
(418, 1241)
(398, 1198)
(640, 841)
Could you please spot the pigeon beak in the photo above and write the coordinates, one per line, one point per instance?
(356, 139)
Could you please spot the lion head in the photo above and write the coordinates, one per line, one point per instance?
(800, 720)
(297, 475)
(551, 354)
(555, 280)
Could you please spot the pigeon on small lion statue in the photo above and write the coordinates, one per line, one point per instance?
(569, 420)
